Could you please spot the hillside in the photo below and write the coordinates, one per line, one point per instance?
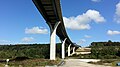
(27, 50)
(105, 50)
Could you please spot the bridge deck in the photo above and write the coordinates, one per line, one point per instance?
(51, 11)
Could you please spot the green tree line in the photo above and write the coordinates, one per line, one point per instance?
(30, 51)
(105, 50)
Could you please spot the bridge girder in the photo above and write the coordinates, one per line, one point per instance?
(51, 12)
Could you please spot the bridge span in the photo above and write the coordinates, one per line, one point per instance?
(51, 12)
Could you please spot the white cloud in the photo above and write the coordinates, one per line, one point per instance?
(36, 30)
(4, 41)
(87, 36)
(81, 22)
(81, 41)
(27, 39)
(110, 32)
(95, 16)
(117, 13)
(95, 0)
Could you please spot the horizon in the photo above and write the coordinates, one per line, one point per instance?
(56, 43)
(85, 21)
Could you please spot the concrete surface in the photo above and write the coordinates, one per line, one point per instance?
(80, 63)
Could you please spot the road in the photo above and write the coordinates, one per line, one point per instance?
(79, 63)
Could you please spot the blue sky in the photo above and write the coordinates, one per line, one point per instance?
(85, 21)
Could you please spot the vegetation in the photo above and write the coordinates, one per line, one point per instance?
(29, 51)
(33, 54)
(31, 63)
(28, 55)
(107, 62)
(102, 50)
(100, 44)
(105, 50)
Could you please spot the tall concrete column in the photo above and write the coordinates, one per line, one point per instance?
(53, 42)
(69, 50)
(63, 48)
(73, 50)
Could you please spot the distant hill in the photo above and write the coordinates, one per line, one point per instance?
(109, 43)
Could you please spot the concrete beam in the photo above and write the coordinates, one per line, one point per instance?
(69, 50)
(53, 42)
(63, 48)
(73, 50)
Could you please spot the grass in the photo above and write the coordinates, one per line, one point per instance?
(2, 65)
(115, 62)
(107, 62)
(32, 63)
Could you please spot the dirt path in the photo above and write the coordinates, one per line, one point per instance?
(79, 63)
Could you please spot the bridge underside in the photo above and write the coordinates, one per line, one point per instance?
(51, 12)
